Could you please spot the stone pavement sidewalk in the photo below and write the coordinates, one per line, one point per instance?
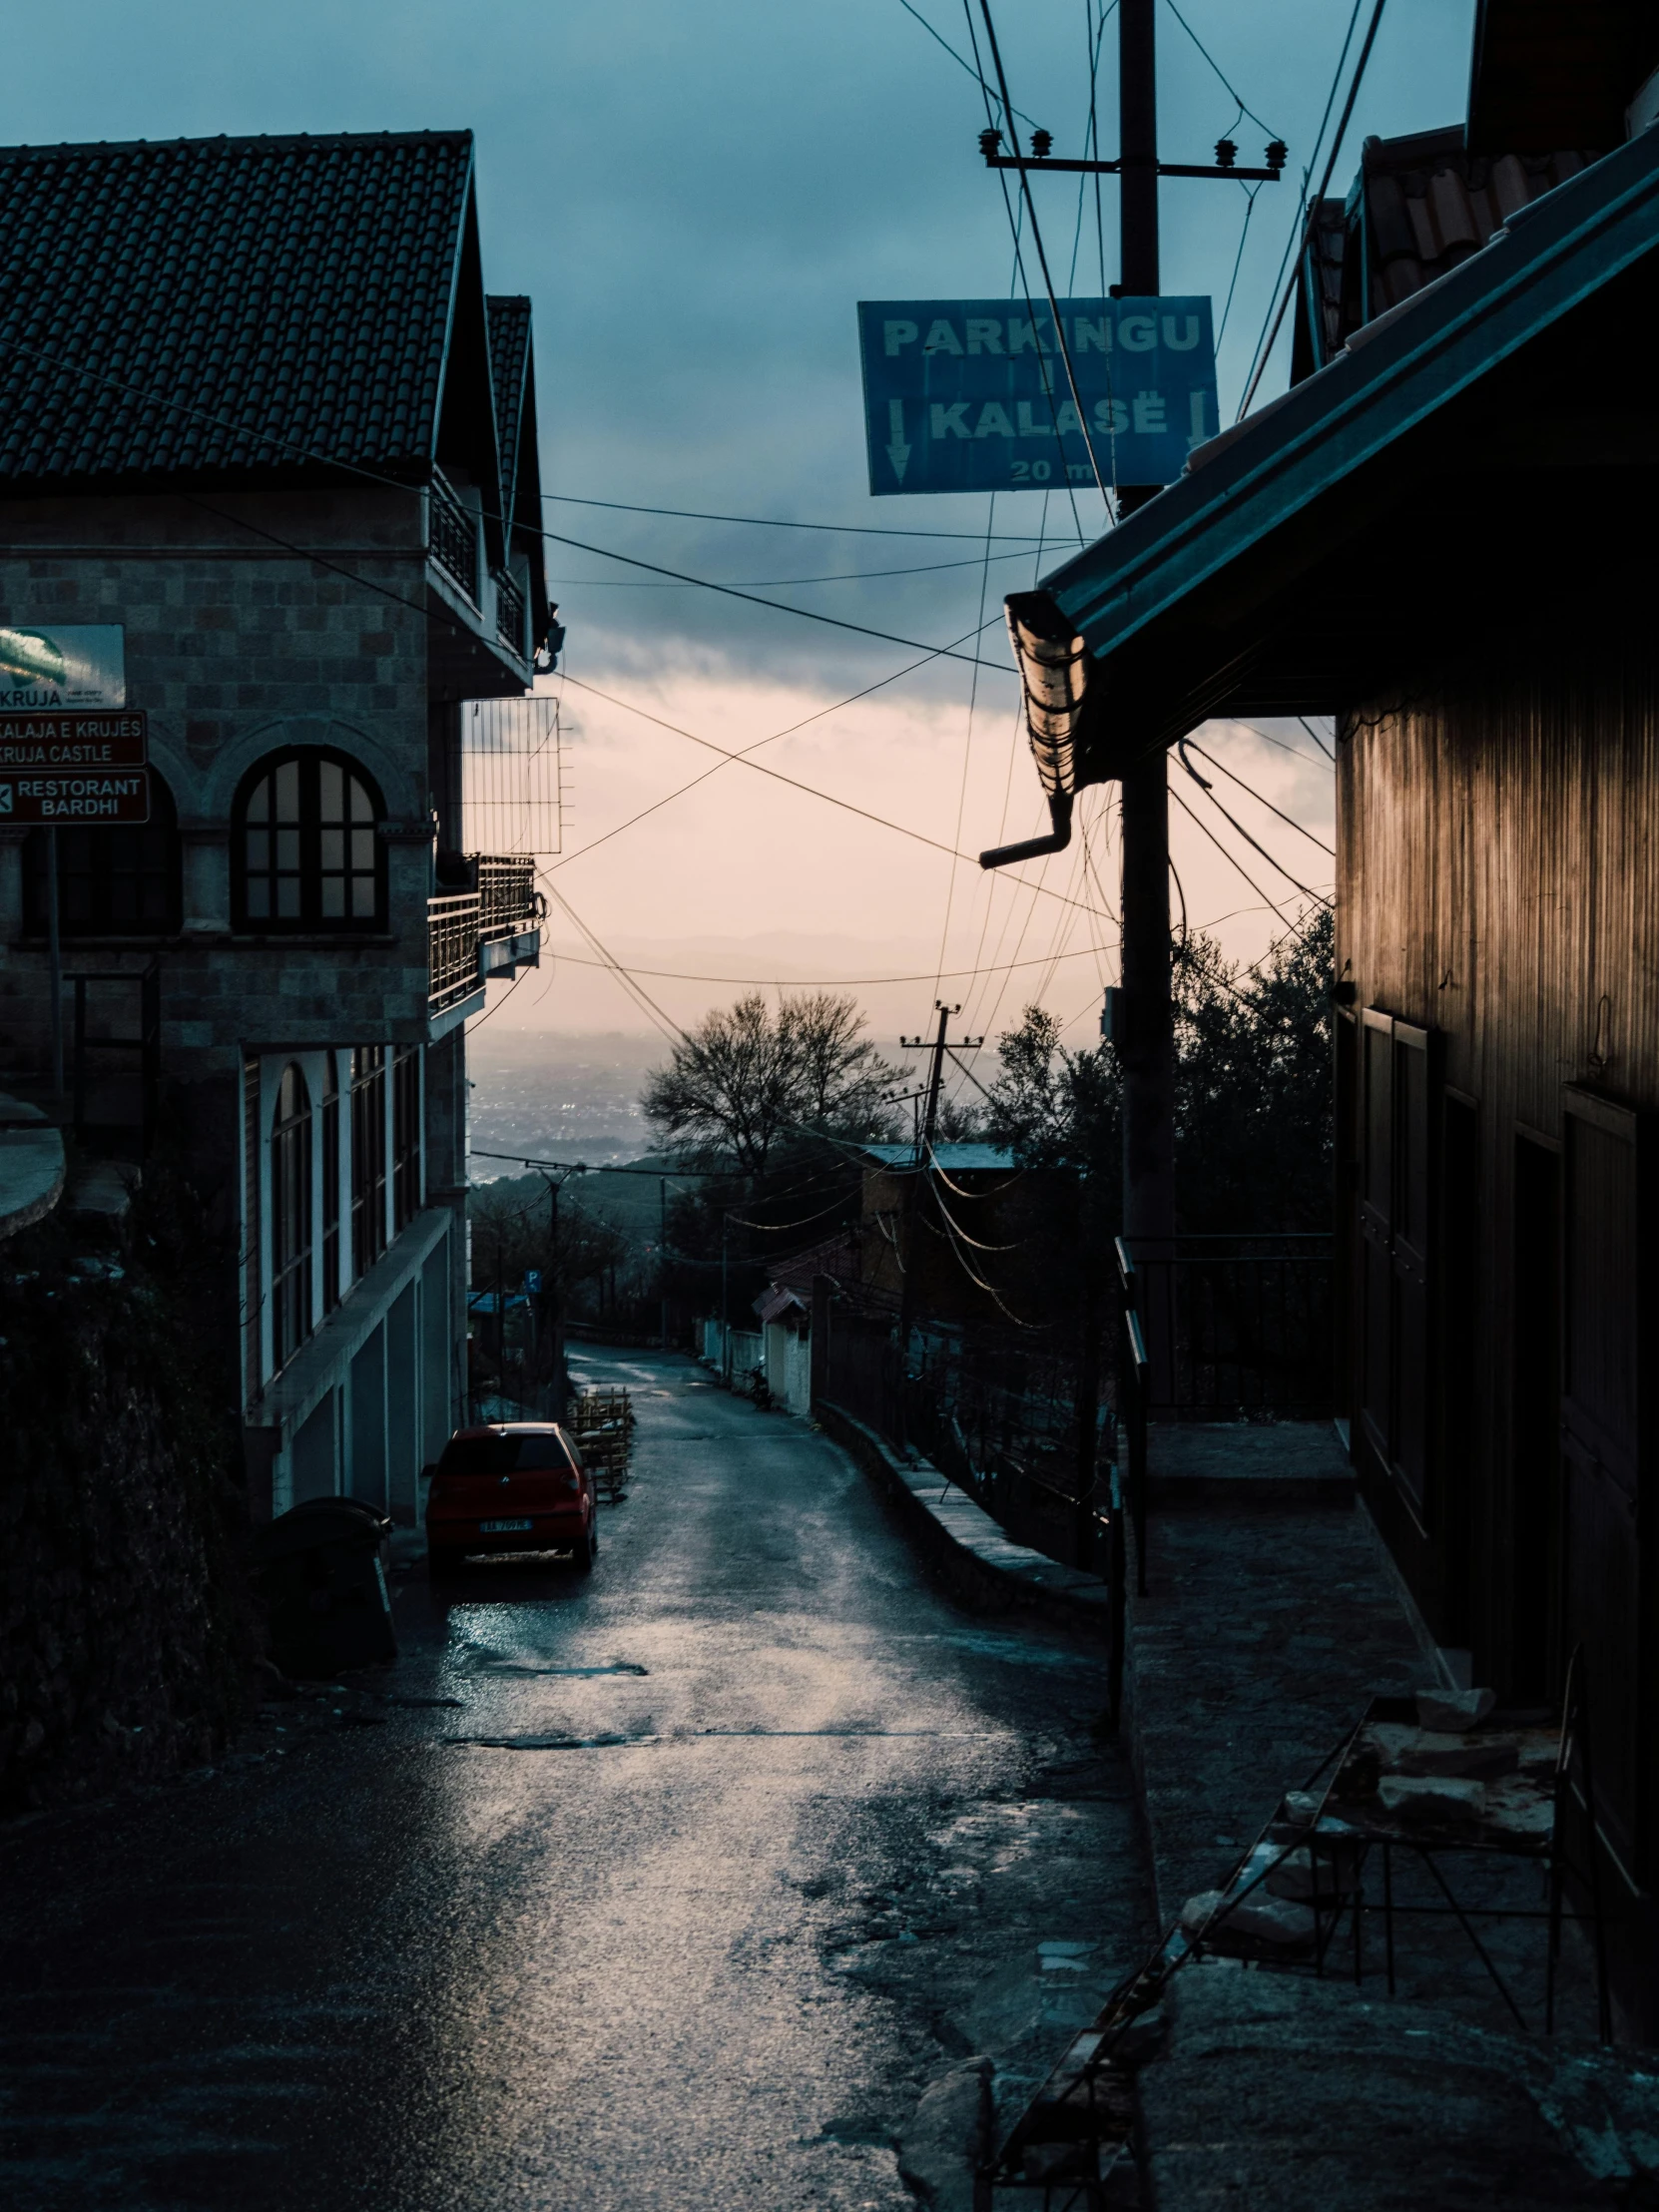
(1266, 1625)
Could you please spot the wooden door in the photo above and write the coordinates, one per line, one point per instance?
(1604, 1259)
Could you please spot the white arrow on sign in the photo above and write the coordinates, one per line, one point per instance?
(897, 452)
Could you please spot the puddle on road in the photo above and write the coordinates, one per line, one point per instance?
(514, 1670)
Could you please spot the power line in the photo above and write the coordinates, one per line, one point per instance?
(1235, 862)
(1299, 216)
(831, 982)
(778, 522)
(1019, 258)
(806, 614)
(679, 793)
(1330, 163)
(812, 790)
(1305, 889)
(1318, 739)
(961, 60)
(1289, 820)
(1042, 260)
(780, 583)
(1229, 89)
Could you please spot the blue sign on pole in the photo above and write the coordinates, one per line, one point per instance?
(972, 394)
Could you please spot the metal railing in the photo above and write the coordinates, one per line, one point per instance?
(505, 904)
(1234, 1325)
(509, 611)
(507, 898)
(453, 536)
(452, 950)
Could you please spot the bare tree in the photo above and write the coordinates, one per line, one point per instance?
(746, 1078)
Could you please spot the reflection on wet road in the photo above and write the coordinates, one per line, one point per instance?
(668, 1886)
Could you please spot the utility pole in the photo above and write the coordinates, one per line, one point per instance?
(921, 1173)
(1143, 1028)
(1145, 1045)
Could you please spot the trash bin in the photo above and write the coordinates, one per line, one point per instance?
(319, 1570)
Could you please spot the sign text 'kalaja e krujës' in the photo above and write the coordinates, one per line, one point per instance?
(972, 394)
(49, 799)
(76, 665)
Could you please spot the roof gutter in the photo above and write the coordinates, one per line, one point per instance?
(1054, 675)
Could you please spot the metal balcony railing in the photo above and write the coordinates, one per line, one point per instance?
(452, 950)
(453, 536)
(505, 904)
(508, 902)
(509, 611)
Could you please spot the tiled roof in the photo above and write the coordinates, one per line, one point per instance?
(509, 321)
(1424, 204)
(1431, 206)
(221, 305)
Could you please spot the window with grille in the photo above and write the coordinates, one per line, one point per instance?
(369, 1156)
(290, 1217)
(118, 880)
(405, 1115)
(330, 1184)
(306, 850)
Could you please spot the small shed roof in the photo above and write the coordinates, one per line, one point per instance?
(1382, 513)
(955, 1159)
(233, 305)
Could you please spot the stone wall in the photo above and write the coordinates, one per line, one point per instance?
(252, 622)
(127, 1634)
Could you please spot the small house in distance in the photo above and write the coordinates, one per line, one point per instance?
(1437, 536)
(261, 424)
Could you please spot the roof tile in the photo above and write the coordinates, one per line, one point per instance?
(218, 304)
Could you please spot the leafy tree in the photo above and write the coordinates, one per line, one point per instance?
(748, 1081)
(1253, 1143)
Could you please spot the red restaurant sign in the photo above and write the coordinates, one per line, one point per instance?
(121, 796)
(92, 738)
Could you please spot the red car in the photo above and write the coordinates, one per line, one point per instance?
(514, 1486)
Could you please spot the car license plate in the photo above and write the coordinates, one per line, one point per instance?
(504, 1527)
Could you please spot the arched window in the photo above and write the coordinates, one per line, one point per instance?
(305, 851)
(118, 880)
(290, 1217)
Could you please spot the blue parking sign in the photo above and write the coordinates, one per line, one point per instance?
(972, 394)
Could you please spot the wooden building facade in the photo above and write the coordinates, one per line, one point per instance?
(1437, 536)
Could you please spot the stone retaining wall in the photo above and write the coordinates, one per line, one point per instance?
(126, 1632)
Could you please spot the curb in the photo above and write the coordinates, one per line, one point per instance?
(978, 1563)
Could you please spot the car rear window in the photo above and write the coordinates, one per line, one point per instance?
(500, 1454)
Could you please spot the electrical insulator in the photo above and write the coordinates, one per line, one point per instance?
(1278, 154)
(1042, 145)
(1227, 153)
(990, 141)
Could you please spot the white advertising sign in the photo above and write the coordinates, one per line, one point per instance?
(80, 665)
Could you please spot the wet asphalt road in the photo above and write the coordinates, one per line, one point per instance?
(817, 1830)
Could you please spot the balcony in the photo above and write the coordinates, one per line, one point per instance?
(491, 928)
(453, 536)
(509, 613)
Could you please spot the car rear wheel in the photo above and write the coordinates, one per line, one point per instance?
(443, 1563)
(582, 1553)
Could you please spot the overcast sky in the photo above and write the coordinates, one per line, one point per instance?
(695, 195)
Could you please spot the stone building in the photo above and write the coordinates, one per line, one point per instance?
(261, 419)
